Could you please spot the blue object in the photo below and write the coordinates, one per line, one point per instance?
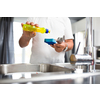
(50, 41)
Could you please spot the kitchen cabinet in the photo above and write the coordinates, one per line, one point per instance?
(96, 28)
(79, 26)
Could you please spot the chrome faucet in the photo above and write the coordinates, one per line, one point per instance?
(89, 48)
(87, 58)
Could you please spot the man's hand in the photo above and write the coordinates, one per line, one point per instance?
(59, 47)
(63, 45)
(28, 34)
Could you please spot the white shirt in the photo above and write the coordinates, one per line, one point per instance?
(41, 51)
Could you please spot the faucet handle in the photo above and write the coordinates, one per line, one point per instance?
(61, 39)
(77, 48)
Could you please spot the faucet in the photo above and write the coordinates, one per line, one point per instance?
(89, 47)
(87, 58)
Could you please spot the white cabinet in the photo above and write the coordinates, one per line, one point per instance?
(79, 26)
(96, 27)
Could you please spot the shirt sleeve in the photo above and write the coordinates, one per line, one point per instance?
(68, 28)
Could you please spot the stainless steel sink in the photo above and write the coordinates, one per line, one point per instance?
(66, 65)
(70, 66)
(49, 73)
(39, 68)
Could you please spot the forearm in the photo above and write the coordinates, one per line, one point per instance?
(24, 41)
(27, 35)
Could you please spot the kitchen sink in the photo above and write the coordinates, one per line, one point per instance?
(34, 68)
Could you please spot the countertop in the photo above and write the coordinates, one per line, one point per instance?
(54, 78)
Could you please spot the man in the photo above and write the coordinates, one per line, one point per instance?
(41, 51)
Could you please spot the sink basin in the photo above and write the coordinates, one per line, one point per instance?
(38, 68)
(66, 65)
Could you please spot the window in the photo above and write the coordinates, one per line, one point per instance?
(22, 55)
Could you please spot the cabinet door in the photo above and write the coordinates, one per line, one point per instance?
(96, 28)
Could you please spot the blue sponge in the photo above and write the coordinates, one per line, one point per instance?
(50, 41)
